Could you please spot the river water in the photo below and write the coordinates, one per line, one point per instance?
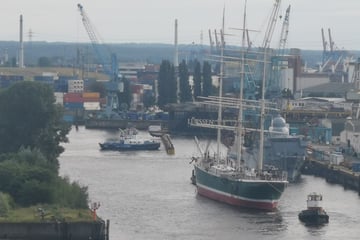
(148, 195)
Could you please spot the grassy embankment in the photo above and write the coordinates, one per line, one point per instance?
(49, 214)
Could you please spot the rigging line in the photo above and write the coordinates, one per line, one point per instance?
(272, 185)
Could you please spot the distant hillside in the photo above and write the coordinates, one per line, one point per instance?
(69, 54)
(30, 72)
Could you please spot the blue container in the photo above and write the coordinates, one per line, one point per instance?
(73, 105)
(132, 115)
(356, 167)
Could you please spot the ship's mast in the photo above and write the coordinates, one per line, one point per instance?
(220, 87)
(266, 45)
(240, 116)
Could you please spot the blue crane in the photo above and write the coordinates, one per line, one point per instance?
(115, 84)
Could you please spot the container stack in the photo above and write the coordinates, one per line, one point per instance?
(75, 86)
(73, 101)
(91, 101)
(7, 80)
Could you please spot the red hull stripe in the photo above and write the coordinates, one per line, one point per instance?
(236, 200)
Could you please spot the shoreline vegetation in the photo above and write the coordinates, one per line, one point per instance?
(31, 132)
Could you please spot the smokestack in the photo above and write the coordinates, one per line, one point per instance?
(176, 63)
(176, 55)
(21, 50)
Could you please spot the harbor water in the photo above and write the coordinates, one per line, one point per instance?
(148, 195)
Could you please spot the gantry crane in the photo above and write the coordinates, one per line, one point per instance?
(115, 85)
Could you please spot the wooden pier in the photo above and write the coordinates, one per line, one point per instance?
(168, 144)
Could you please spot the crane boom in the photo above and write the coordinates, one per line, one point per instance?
(284, 31)
(110, 67)
(94, 39)
(331, 42)
(271, 25)
(323, 40)
(211, 42)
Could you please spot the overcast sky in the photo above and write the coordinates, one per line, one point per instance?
(152, 21)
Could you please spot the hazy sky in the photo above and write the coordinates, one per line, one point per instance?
(152, 21)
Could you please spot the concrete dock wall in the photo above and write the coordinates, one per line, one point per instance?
(333, 173)
(54, 231)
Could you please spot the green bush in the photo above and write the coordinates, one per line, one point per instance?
(71, 195)
(6, 204)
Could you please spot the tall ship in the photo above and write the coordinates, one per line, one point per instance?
(240, 177)
(234, 180)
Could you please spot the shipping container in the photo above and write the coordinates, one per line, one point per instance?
(75, 86)
(73, 105)
(91, 106)
(91, 95)
(356, 166)
(91, 99)
(7, 80)
(132, 115)
(12, 77)
(44, 79)
(73, 98)
(59, 97)
(72, 95)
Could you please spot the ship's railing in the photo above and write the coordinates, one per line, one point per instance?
(259, 175)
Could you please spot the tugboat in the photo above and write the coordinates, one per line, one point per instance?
(314, 214)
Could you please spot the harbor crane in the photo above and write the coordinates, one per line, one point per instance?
(271, 24)
(284, 32)
(271, 84)
(279, 62)
(115, 85)
(211, 43)
(332, 56)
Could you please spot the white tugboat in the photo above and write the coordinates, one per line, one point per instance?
(314, 214)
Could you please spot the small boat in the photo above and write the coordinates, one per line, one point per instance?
(157, 130)
(314, 214)
(129, 141)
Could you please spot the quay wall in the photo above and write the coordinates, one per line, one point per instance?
(118, 123)
(333, 173)
(54, 231)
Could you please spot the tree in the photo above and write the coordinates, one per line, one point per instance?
(125, 96)
(185, 89)
(30, 118)
(44, 62)
(148, 99)
(167, 86)
(207, 79)
(197, 80)
(28, 179)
